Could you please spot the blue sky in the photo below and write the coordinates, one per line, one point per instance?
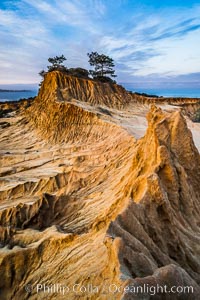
(151, 41)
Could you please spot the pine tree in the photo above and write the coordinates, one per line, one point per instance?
(56, 63)
(103, 65)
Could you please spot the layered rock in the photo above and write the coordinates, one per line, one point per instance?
(159, 231)
(85, 203)
(62, 87)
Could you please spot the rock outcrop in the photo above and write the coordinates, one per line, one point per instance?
(95, 202)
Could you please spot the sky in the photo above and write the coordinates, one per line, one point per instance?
(151, 41)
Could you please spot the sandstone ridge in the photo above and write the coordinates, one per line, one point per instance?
(93, 194)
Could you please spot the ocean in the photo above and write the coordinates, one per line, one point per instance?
(165, 92)
(183, 92)
(11, 96)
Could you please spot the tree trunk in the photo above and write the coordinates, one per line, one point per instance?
(102, 70)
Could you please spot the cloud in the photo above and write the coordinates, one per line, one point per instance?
(158, 43)
(178, 30)
(28, 39)
(141, 41)
(73, 13)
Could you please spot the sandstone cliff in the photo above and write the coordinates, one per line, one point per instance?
(93, 195)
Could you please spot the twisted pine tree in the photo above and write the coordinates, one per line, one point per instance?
(56, 63)
(103, 65)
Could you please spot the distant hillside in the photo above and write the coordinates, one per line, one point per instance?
(14, 91)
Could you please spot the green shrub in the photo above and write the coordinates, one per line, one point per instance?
(196, 117)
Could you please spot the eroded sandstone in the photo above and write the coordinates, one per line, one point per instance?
(92, 194)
